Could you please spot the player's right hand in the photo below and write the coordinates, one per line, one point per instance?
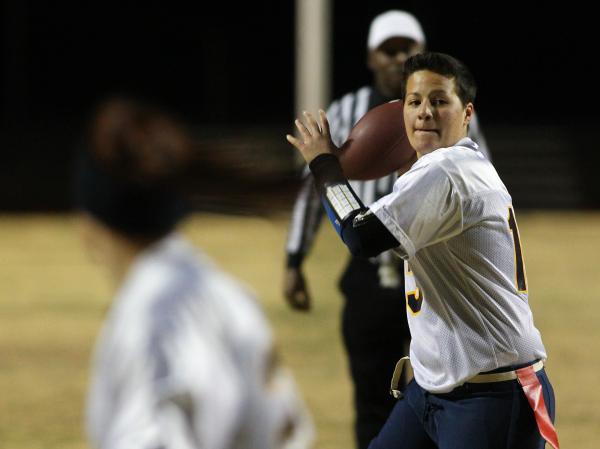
(295, 290)
(314, 138)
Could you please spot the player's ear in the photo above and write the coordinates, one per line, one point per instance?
(469, 110)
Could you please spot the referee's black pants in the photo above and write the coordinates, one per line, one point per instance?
(375, 332)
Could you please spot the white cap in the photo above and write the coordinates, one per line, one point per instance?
(394, 24)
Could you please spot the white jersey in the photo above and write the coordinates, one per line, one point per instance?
(185, 361)
(466, 290)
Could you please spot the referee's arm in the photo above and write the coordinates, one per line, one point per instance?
(305, 221)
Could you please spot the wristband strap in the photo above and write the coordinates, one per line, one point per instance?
(338, 198)
(342, 200)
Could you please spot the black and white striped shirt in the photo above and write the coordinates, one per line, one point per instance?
(308, 212)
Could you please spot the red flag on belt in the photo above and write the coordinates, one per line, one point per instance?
(533, 391)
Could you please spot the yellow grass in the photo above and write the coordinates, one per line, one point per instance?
(52, 302)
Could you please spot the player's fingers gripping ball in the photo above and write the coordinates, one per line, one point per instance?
(377, 144)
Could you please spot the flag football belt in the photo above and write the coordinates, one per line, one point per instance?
(528, 380)
(485, 378)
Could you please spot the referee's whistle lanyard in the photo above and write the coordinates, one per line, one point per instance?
(530, 384)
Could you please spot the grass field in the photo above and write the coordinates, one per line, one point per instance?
(52, 302)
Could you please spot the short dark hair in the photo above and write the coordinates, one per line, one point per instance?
(445, 65)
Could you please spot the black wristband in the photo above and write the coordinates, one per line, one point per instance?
(339, 200)
(326, 169)
(294, 260)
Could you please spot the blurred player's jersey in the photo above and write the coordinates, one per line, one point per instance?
(185, 360)
(465, 282)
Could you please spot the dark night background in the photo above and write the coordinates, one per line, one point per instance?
(228, 69)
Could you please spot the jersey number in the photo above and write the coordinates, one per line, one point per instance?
(414, 301)
(414, 297)
(519, 266)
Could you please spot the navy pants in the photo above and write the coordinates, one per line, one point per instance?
(473, 416)
(375, 331)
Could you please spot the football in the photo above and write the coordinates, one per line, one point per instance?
(377, 144)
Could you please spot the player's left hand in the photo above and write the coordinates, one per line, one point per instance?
(314, 139)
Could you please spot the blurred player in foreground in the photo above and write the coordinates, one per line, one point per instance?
(374, 328)
(478, 360)
(185, 358)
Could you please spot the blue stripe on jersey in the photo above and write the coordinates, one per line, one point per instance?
(332, 216)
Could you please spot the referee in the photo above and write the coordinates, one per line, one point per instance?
(373, 289)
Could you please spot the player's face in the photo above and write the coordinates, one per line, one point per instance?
(434, 115)
(387, 63)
